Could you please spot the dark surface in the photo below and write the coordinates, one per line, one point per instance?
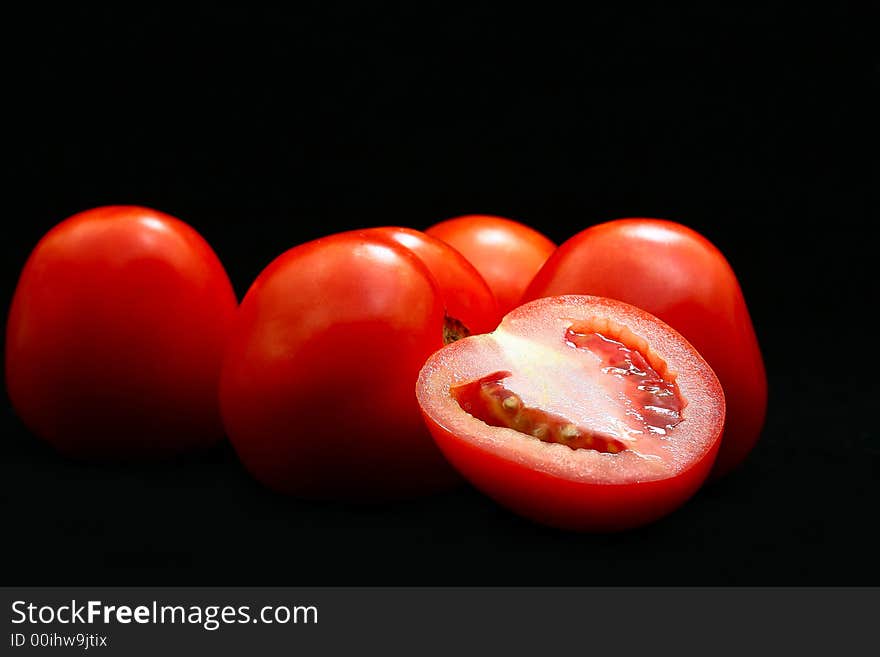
(264, 130)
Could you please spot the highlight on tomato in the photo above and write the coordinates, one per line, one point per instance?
(317, 384)
(507, 253)
(579, 412)
(116, 335)
(675, 273)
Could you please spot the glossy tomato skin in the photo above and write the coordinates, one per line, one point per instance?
(565, 504)
(522, 474)
(466, 295)
(317, 384)
(507, 253)
(676, 274)
(116, 333)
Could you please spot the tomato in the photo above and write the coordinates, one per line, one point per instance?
(507, 253)
(579, 412)
(116, 334)
(678, 275)
(317, 384)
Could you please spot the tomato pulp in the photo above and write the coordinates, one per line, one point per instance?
(676, 274)
(579, 412)
(316, 390)
(116, 334)
(505, 252)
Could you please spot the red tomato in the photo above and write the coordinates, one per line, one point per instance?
(116, 335)
(578, 412)
(507, 253)
(679, 276)
(317, 384)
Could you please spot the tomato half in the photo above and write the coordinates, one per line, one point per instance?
(676, 274)
(116, 335)
(316, 391)
(507, 253)
(579, 412)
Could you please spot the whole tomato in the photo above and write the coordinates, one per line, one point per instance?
(677, 275)
(318, 377)
(507, 253)
(116, 334)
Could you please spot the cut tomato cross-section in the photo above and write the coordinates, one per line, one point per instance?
(580, 412)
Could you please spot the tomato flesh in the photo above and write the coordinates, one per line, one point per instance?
(489, 400)
(650, 403)
(654, 404)
(579, 412)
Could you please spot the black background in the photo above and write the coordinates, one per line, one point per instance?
(264, 128)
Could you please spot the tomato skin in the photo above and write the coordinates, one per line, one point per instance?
(679, 276)
(317, 385)
(116, 333)
(507, 253)
(465, 293)
(563, 504)
(523, 475)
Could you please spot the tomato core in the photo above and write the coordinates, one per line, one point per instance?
(643, 399)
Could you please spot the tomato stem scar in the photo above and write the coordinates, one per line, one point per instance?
(453, 329)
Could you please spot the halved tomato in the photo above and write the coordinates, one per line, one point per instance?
(579, 412)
